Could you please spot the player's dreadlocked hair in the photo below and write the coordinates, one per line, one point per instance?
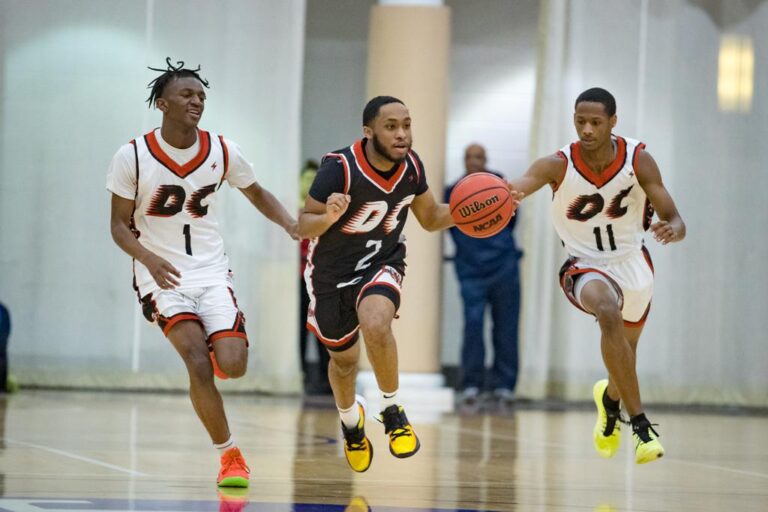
(171, 73)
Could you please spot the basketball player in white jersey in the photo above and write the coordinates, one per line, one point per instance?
(606, 188)
(164, 187)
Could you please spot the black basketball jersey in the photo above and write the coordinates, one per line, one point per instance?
(369, 232)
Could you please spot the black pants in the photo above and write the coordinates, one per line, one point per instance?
(5, 331)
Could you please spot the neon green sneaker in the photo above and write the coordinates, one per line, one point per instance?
(607, 431)
(357, 447)
(647, 445)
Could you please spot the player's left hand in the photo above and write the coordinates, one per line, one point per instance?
(293, 230)
(664, 232)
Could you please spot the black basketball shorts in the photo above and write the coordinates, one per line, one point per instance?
(332, 314)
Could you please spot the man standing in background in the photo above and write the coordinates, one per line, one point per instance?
(488, 273)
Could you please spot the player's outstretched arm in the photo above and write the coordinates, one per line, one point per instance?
(432, 216)
(271, 208)
(670, 227)
(548, 170)
(166, 275)
(317, 217)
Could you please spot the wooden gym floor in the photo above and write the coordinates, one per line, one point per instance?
(81, 451)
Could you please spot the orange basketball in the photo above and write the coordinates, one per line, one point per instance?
(481, 205)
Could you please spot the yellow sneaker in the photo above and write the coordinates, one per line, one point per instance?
(357, 447)
(402, 439)
(607, 431)
(647, 445)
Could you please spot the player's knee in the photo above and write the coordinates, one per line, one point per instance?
(608, 314)
(198, 365)
(343, 367)
(376, 330)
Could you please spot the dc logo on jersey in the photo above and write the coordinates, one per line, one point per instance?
(370, 215)
(584, 208)
(168, 200)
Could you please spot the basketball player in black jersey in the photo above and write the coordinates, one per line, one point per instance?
(355, 213)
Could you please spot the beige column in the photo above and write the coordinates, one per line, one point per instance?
(408, 53)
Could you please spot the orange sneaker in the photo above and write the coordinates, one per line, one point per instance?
(234, 472)
(216, 370)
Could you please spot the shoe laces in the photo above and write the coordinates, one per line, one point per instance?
(641, 431)
(354, 438)
(230, 460)
(613, 417)
(395, 422)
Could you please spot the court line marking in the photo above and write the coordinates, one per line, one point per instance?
(76, 457)
(507, 437)
(721, 468)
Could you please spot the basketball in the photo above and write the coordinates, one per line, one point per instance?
(481, 204)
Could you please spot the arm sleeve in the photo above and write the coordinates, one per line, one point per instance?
(239, 171)
(121, 176)
(329, 179)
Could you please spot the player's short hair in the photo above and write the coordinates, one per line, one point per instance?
(371, 110)
(598, 95)
(170, 74)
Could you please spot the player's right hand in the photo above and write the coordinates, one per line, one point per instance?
(165, 275)
(336, 205)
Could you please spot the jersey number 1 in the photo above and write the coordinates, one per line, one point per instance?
(188, 239)
(599, 237)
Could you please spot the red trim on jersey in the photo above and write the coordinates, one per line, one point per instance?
(559, 182)
(226, 159)
(386, 184)
(599, 180)
(345, 164)
(574, 271)
(419, 170)
(182, 171)
(638, 148)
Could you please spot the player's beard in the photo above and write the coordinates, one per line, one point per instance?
(380, 149)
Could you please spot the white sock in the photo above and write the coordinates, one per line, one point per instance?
(226, 445)
(350, 417)
(388, 399)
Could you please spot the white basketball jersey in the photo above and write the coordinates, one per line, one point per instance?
(601, 216)
(175, 215)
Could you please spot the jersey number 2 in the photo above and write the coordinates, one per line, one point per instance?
(365, 260)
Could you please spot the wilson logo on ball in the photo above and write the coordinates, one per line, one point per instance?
(476, 206)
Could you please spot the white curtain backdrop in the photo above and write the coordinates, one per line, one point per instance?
(705, 339)
(72, 85)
